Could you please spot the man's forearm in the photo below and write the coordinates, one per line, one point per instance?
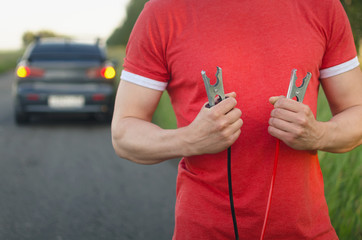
(343, 132)
(144, 142)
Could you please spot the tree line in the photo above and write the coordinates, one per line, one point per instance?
(29, 36)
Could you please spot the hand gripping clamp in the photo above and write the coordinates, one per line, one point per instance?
(298, 92)
(216, 90)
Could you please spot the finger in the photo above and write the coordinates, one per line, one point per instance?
(275, 132)
(288, 104)
(282, 125)
(284, 114)
(234, 130)
(237, 125)
(233, 115)
(235, 136)
(225, 106)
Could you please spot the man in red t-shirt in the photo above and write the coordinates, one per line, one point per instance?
(257, 44)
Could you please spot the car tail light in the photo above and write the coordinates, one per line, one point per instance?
(22, 72)
(108, 72)
(25, 71)
(32, 97)
(98, 97)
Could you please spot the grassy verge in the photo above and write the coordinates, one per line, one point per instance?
(9, 59)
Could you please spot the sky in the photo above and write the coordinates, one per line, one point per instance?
(84, 19)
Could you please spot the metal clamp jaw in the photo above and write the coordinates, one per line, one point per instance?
(216, 90)
(298, 92)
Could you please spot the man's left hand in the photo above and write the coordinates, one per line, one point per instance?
(294, 123)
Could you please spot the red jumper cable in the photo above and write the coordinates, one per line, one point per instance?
(293, 91)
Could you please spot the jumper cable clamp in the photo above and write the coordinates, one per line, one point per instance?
(215, 93)
(298, 92)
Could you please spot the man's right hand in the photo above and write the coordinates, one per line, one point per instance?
(214, 129)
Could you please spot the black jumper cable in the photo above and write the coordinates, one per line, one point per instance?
(215, 94)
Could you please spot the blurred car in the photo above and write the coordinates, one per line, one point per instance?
(63, 76)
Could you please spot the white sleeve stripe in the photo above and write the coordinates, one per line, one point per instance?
(341, 68)
(143, 81)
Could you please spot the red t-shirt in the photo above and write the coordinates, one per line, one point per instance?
(257, 44)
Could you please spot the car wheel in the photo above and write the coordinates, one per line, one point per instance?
(103, 117)
(21, 118)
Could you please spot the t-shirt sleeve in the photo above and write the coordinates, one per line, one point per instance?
(145, 63)
(340, 55)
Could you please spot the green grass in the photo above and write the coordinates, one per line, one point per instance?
(9, 59)
(164, 115)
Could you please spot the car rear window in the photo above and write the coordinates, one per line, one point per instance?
(66, 52)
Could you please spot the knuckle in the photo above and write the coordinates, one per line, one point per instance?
(290, 139)
(271, 120)
(238, 132)
(298, 133)
(213, 115)
(302, 121)
(233, 100)
(277, 112)
(271, 131)
(225, 135)
(238, 112)
(280, 103)
(229, 102)
(273, 112)
(240, 122)
(221, 125)
(234, 137)
(231, 141)
(306, 110)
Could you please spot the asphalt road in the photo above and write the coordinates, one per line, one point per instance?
(61, 180)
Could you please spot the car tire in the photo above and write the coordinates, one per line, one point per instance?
(103, 117)
(21, 118)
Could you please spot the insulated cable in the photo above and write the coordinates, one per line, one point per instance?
(231, 196)
(271, 189)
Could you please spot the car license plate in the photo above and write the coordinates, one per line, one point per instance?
(66, 101)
